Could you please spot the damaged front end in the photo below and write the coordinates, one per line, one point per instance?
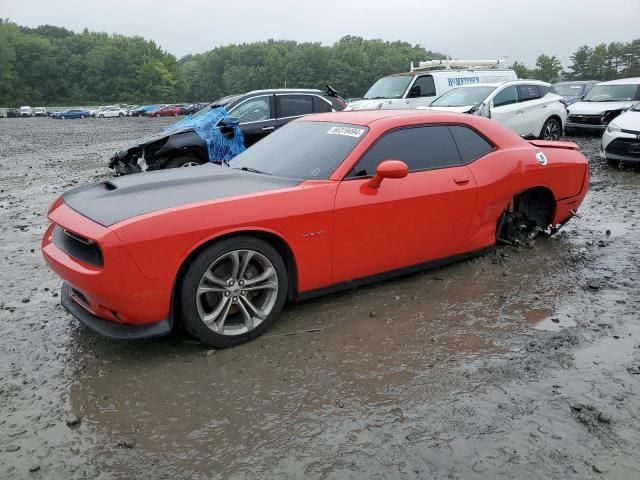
(156, 152)
(210, 136)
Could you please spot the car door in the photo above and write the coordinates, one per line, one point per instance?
(505, 109)
(408, 221)
(422, 92)
(534, 110)
(292, 106)
(256, 116)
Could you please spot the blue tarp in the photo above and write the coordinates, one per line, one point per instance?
(219, 147)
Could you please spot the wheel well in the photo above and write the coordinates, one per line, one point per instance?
(194, 151)
(555, 117)
(530, 210)
(537, 204)
(272, 239)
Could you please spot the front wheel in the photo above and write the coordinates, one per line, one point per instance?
(232, 291)
(63, 117)
(81, 116)
(551, 130)
(121, 114)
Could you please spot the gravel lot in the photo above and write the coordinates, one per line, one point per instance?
(524, 363)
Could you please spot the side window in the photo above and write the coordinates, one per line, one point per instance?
(506, 96)
(253, 110)
(423, 87)
(295, 105)
(320, 105)
(528, 92)
(421, 148)
(543, 90)
(470, 143)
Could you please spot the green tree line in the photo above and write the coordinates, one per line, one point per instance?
(50, 65)
(603, 62)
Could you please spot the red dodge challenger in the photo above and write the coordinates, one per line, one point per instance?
(329, 201)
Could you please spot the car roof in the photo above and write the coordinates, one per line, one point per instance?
(622, 81)
(285, 90)
(576, 82)
(368, 117)
(508, 82)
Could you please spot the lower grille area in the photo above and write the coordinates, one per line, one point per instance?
(629, 147)
(586, 119)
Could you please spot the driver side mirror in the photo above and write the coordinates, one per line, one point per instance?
(388, 169)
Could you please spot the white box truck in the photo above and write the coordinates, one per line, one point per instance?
(430, 79)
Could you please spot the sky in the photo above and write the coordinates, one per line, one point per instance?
(477, 29)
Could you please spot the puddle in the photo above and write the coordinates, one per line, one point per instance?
(545, 319)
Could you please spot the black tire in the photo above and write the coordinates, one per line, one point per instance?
(551, 130)
(187, 287)
(613, 163)
(121, 114)
(183, 161)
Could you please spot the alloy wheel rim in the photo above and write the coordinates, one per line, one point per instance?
(552, 131)
(237, 292)
(190, 164)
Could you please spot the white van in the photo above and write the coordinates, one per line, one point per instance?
(26, 111)
(418, 87)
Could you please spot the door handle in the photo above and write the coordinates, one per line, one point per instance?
(268, 129)
(461, 180)
(520, 112)
(545, 106)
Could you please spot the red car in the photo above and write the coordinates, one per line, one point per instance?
(168, 111)
(329, 201)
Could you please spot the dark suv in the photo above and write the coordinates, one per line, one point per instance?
(259, 113)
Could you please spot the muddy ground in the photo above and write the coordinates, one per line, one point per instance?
(524, 363)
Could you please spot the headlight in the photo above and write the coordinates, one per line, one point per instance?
(612, 127)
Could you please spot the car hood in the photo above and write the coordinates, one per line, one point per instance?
(628, 121)
(596, 108)
(126, 197)
(463, 109)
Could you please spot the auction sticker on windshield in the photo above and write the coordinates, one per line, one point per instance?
(348, 131)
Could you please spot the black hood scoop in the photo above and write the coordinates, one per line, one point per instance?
(129, 196)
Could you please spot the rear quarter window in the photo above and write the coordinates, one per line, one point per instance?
(320, 105)
(528, 92)
(470, 143)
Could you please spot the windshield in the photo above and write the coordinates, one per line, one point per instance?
(636, 107)
(224, 101)
(303, 150)
(461, 97)
(389, 87)
(611, 93)
(568, 89)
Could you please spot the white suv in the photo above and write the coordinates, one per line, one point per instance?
(528, 107)
(111, 111)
